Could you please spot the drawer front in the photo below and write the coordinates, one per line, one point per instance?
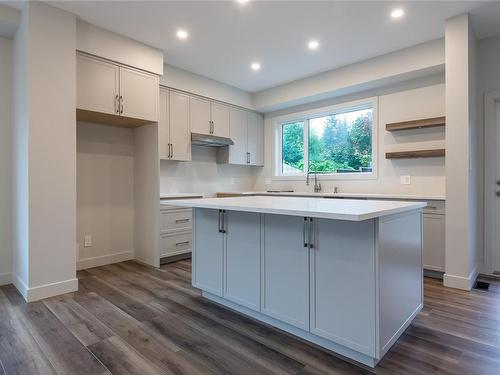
(175, 244)
(175, 220)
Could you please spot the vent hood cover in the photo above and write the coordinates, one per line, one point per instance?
(210, 140)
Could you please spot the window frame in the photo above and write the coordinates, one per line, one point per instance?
(305, 116)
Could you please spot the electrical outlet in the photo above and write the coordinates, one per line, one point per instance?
(405, 180)
(88, 241)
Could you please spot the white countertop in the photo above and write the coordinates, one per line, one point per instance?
(181, 196)
(339, 195)
(338, 209)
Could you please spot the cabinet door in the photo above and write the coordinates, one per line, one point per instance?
(139, 91)
(285, 270)
(433, 248)
(163, 125)
(256, 138)
(207, 251)
(220, 118)
(242, 259)
(180, 136)
(344, 252)
(97, 85)
(238, 133)
(199, 115)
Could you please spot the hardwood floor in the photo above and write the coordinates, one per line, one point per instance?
(128, 318)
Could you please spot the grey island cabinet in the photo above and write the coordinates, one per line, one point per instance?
(343, 274)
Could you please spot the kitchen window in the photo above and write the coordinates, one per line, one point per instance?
(336, 142)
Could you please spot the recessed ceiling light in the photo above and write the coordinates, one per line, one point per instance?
(182, 34)
(313, 44)
(255, 66)
(397, 13)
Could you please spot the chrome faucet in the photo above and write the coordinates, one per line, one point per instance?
(317, 185)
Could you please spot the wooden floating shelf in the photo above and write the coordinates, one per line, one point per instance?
(416, 154)
(416, 124)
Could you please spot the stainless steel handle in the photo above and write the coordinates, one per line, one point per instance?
(171, 150)
(248, 158)
(121, 104)
(182, 243)
(213, 127)
(117, 103)
(182, 220)
(310, 239)
(304, 230)
(223, 226)
(219, 221)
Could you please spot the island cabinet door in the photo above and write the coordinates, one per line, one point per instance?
(343, 283)
(207, 251)
(242, 258)
(285, 267)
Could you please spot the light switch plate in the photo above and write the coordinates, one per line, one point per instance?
(405, 180)
(88, 241)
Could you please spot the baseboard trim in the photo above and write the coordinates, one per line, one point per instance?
(5, 278)
(103, 260)
(460, 282)
(53, 289)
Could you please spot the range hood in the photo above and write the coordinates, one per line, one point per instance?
(210, 140)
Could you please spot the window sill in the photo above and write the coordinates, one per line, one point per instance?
(329, 177)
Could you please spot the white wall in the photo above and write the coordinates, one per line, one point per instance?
(204, 175)
(45, 152)
(5, 160)
(105, 193)
(403, 103)
(186, 81)
(400, 66)
(462, 161)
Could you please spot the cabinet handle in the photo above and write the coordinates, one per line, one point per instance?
(248, 158)
(223, 213)
(219, 221)
(171, 150)
(311, 242)
(182, 243)
(182, 220)
(117, 103)
(121, 104)
(304, 229)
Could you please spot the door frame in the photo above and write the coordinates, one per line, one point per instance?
(490, 166)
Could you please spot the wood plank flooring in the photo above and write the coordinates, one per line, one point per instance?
(128, 318)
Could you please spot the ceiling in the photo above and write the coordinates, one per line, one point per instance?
(226, 36)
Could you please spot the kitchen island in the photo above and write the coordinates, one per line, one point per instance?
(343, 274)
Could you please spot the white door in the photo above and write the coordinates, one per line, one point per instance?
(256, 138)
(285, 294)
(207, 251)
(199, 115)
(238, 133)
(497, 200)
(97, 85)
(163, 125)
(180, 136)
(242, 259)
(139, 92)
(220, 119)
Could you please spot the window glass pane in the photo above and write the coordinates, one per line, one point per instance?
(341, 143)
(292, 148)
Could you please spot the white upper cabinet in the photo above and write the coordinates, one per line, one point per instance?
(110, 89)
(180, 135)
(220, 119)
(199, 111)
(174, 134)
(139, 94)
(164, 126)
(238, 133)
(255, 139)
(98, 87)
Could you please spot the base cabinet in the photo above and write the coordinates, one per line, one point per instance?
(433, 250)
(242, 258)
(285, 270)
